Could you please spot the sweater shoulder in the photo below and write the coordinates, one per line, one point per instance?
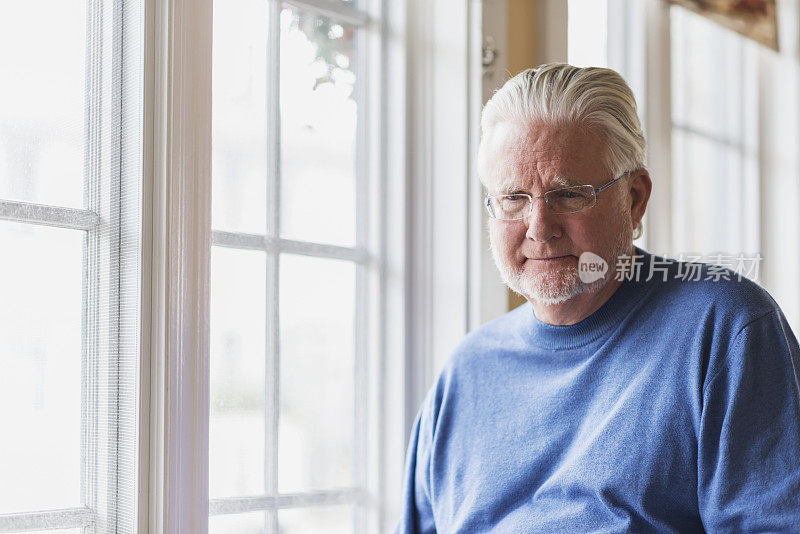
(713, 290)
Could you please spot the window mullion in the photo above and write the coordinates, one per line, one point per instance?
(272, 367)
(362, 284)
(91, 327)
(177, 341)
(50, 519)
(271, 244)
(273, 503)
(27, 212)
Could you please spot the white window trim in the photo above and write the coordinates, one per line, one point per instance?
(426, 147)
(637, 33)
(424, 155)
(174, 397)
(175, 389)
(364, 259)
(443, 110)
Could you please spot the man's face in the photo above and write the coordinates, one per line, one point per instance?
(538, 256)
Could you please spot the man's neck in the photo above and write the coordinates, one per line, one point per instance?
(575, 309)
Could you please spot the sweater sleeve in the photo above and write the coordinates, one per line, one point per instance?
(417, 512)
(749, 438)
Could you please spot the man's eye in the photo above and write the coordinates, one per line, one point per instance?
(514, 198)
(569, 194)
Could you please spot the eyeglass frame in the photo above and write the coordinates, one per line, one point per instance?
(531, 198)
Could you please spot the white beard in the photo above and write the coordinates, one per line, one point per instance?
(552, 287)
(559, 285)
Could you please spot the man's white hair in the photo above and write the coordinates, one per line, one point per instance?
(559, 94)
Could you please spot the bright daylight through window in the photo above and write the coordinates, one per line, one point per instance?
(70, 174)
(714, 136)
(289, 271)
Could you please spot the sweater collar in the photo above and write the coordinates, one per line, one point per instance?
(596, 325)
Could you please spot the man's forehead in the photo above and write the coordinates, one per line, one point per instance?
(522, 157)
(536, 139)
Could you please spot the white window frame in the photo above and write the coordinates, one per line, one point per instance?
(423, 139)
(365, 260)
(640, 48)
(173, 474)
(743, 142)
(422, 144)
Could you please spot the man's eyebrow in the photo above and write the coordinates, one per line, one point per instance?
(510, 187)
(505, 188)
(564, 182)
(557, 181)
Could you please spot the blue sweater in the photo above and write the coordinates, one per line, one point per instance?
(675, 407)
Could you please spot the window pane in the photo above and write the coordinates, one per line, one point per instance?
(238, 337)
(707, 75)
(249, 523)
(42, 101)
(318, 128)
(239, 155)
(322, 520)
(40, 358)
(587, 27)
(705, 173)
(317, 309)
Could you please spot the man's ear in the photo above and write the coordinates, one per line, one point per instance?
(639, 186)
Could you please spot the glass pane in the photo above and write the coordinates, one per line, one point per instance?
(42, 101)
(704, 173)
(40, 358)
(587, 27)
(707, 75)
(318, 129)
(317, 309)
(238, 345)
(322, 520)
(239, 146)
(249, 523)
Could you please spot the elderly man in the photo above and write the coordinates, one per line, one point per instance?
(610, 402)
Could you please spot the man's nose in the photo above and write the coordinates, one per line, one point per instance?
(543, 223)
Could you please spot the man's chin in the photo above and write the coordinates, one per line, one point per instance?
(552, 288)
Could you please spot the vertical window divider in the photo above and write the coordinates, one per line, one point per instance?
(272, 367)
(659, 225)
(113, 269)
(91, 328)
(129, 18)
(176, 256)
(361, 334)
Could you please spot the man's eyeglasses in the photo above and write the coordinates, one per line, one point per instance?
(566, 200)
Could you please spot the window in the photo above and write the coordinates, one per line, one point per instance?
(291, 275)
(696, 83)
(325, 118)
(70, 130)
(586, 33)
(715, 195)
